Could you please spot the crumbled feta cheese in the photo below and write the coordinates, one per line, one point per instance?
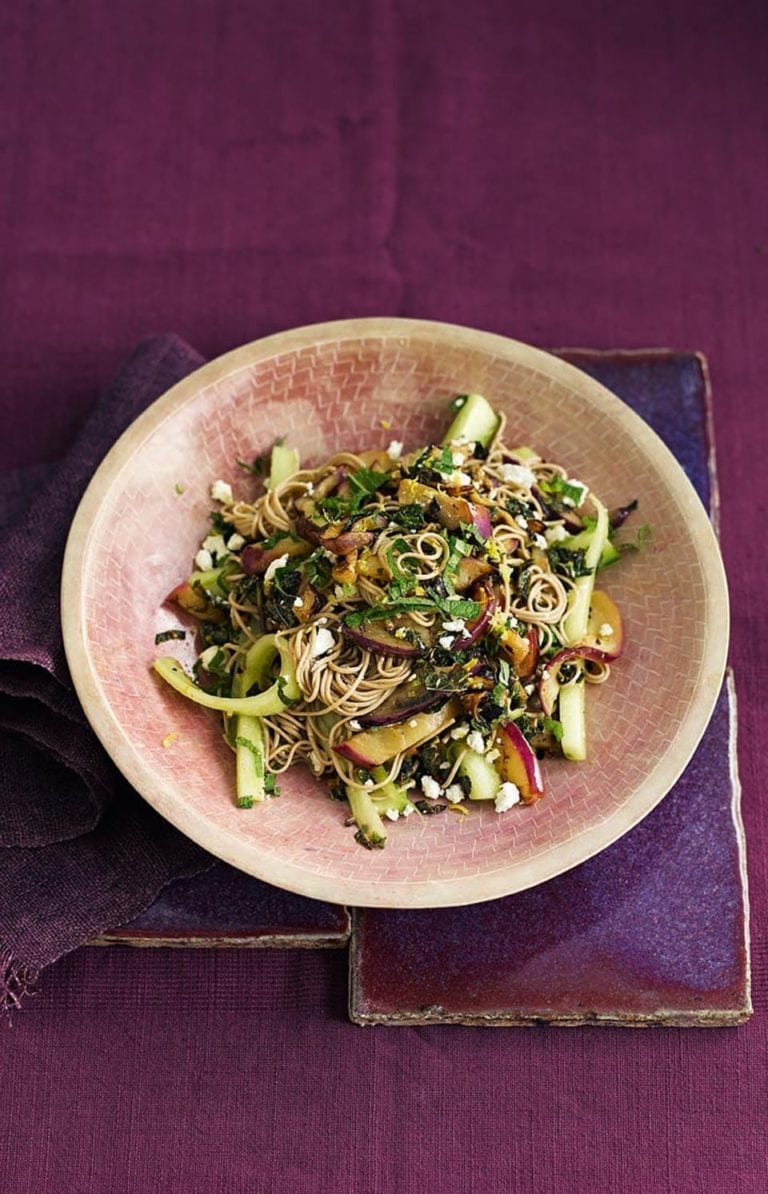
(204, 560)
(208, 655)
(221, 491)
(297, 603)
(528, 689)
(392, 814)
(280, 562)
(368, 783)
(322, 643)
(355, 724)
(606, 630)
(430, 787)
(457, 458)
(475, 742)
(521, 522)
(493, 755)
(460, 731)
(518, 474)
(556, 534)
(395, 450)
(215, 545)
(309, 487)
(235, 542)
(413, 723)
(457, 625)
(446, 641)
(454, 597)
(459, 478)
(454, 793)
(539, 541)
(507, 796)
(409, 808)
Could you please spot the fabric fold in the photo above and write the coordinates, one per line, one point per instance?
(81, 852)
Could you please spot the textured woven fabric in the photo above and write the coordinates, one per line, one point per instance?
(587, 174)
(79, 852)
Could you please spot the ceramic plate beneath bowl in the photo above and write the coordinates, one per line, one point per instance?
(329, 387)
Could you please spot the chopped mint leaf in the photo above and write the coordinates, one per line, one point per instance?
(558, 487)
(258, 466)
(166, 635)
(555, 728)
(569, 561)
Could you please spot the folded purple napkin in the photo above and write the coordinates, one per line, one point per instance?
(80, 851)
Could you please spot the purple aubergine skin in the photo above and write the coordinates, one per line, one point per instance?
(381, 642)
(390, 715)
(524, 751)
(478, 627)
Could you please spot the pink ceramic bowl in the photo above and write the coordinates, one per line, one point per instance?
(328, 387)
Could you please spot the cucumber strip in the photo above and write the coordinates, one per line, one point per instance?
(571, 715)
(476, 421)
(258, 663)
(211, 580)
(523, 453)
(249, 761)
(609, 554)
(390, 797)
(283, 464)
(369, 823)
(262, 704)
(484, 779)
(575, 623)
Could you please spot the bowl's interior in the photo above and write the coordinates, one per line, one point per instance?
(335, 387)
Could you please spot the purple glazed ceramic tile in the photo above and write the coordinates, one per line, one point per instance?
(223, 907)
(651, 931)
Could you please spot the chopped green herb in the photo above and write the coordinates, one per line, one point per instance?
(566, 491)
(219, 522)
(555, 728)
(410, 517)
(366, 481)
(519, 509)
(642, 539)
(281, 537)
(363, 484)
(443, 463)
(317, 569)
(249, 745)
(270, 784)
(569, 561)
(179, 487)
(258, 467)
(166, 635)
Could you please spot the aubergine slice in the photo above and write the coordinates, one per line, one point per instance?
(378, 638)
(405, 702)
(375, 746)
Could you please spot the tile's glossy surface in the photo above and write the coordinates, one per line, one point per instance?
(224, 907)
(651, 931)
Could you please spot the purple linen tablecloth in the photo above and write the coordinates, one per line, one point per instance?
(591, 174)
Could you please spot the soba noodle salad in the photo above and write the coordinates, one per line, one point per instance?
(419, 626)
